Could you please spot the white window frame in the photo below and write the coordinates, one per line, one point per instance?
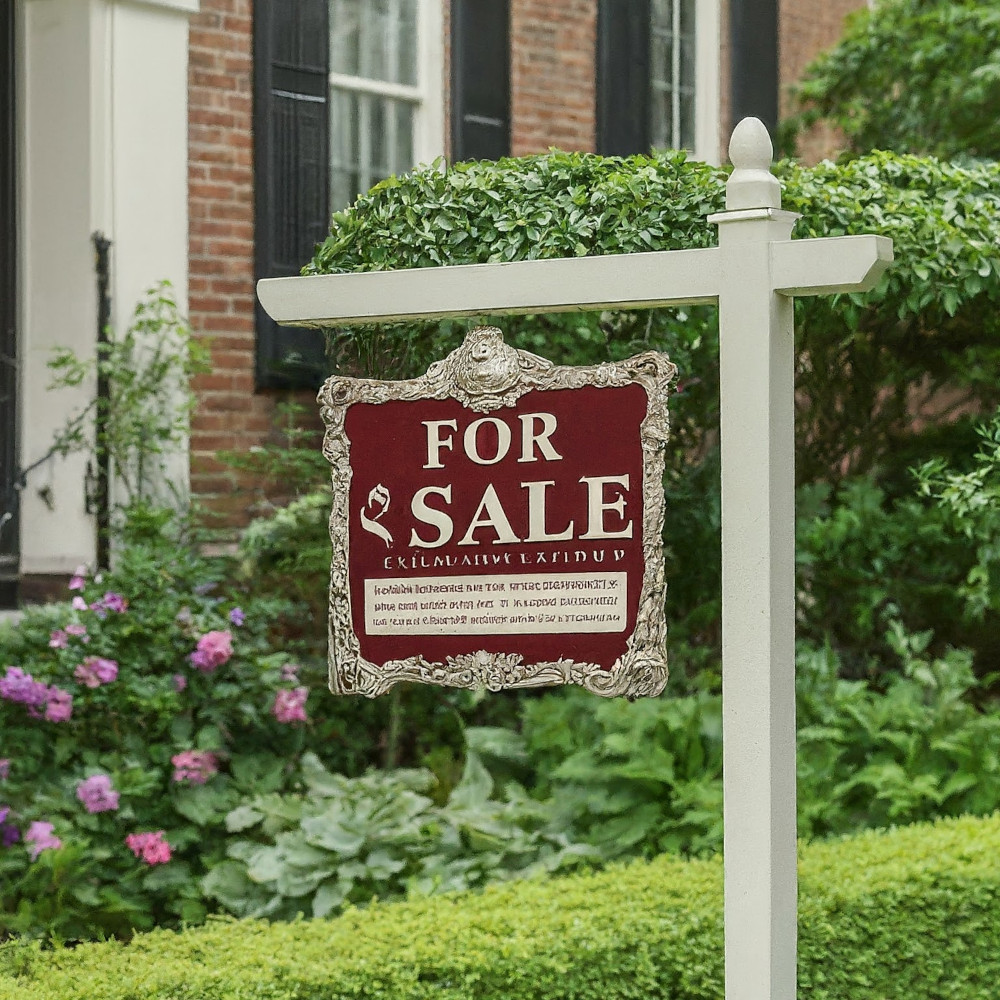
(707, 103)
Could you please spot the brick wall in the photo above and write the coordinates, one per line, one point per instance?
(230, 415)
(552, 75)
(806, 30)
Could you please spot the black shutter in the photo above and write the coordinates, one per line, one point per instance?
(754, 65)
(623, 77)
(480, 79)
(291, 169)
(9, 532)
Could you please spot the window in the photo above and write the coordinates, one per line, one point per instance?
(346, 92)
(379, 103)
(657, 76)
(671, 74)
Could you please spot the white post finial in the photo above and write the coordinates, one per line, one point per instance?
(751, 184)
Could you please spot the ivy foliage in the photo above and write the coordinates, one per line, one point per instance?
(906, 913)
(924, 343)
(916, 76)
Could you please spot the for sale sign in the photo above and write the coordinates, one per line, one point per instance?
(497, 523)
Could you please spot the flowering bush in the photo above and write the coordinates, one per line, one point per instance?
(133, 718)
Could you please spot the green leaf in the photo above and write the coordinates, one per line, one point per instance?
(474, 788)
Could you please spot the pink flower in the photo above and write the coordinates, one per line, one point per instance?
(59, 707)
(78, 603)
(151, 847)
(97, 795)
(4, 768)
(18, 686)
(214, 649)
(40, 836)
(95, 671)
(290, 672)
(290, 706)
(79, 580)
(78, 630)
(115, 602)
(58, 639)
(196, 766)
(180, 682)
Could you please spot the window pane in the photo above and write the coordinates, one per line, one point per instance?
(371, 137)
(672, 73)
(374, 39)
(345, 34)
(344, 172)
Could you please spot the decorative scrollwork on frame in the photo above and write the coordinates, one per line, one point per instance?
(485, 374)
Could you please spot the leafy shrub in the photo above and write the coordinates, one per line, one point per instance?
(151, 704)
(908, 913)
(343, 841)
(143, 418)
(864, 560)
(917, 76)
(970, 501)
(647, 778)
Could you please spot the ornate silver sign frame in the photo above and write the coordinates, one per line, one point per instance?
(485, 374)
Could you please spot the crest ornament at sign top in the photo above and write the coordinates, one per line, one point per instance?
(497, 523)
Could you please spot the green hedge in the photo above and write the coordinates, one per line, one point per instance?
(911, 913)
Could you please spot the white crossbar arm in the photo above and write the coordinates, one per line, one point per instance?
(623, 281)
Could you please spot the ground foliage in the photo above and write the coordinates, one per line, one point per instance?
(915, 76)
(894, 574)
(908, 913)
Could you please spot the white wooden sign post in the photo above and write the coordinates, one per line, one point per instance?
(753, 275)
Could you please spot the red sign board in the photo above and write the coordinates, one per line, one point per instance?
(500, 534)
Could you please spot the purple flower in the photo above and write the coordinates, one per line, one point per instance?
(4, 768)
(237, 617)
(205, 588)
(40, 835)
(196, 766)
(9, 834)
(96, 794)
(58, 639)
(214, 649)
(95, 671)
(78, 603)
(151, 847)
(80, 631)
(115, 602)
(180, 682)
(59, 707)
(17, 686)
(290, 706)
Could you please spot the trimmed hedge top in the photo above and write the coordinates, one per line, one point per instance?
(944, 219)
(908, 913)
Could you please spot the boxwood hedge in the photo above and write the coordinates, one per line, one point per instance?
(910, 913)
